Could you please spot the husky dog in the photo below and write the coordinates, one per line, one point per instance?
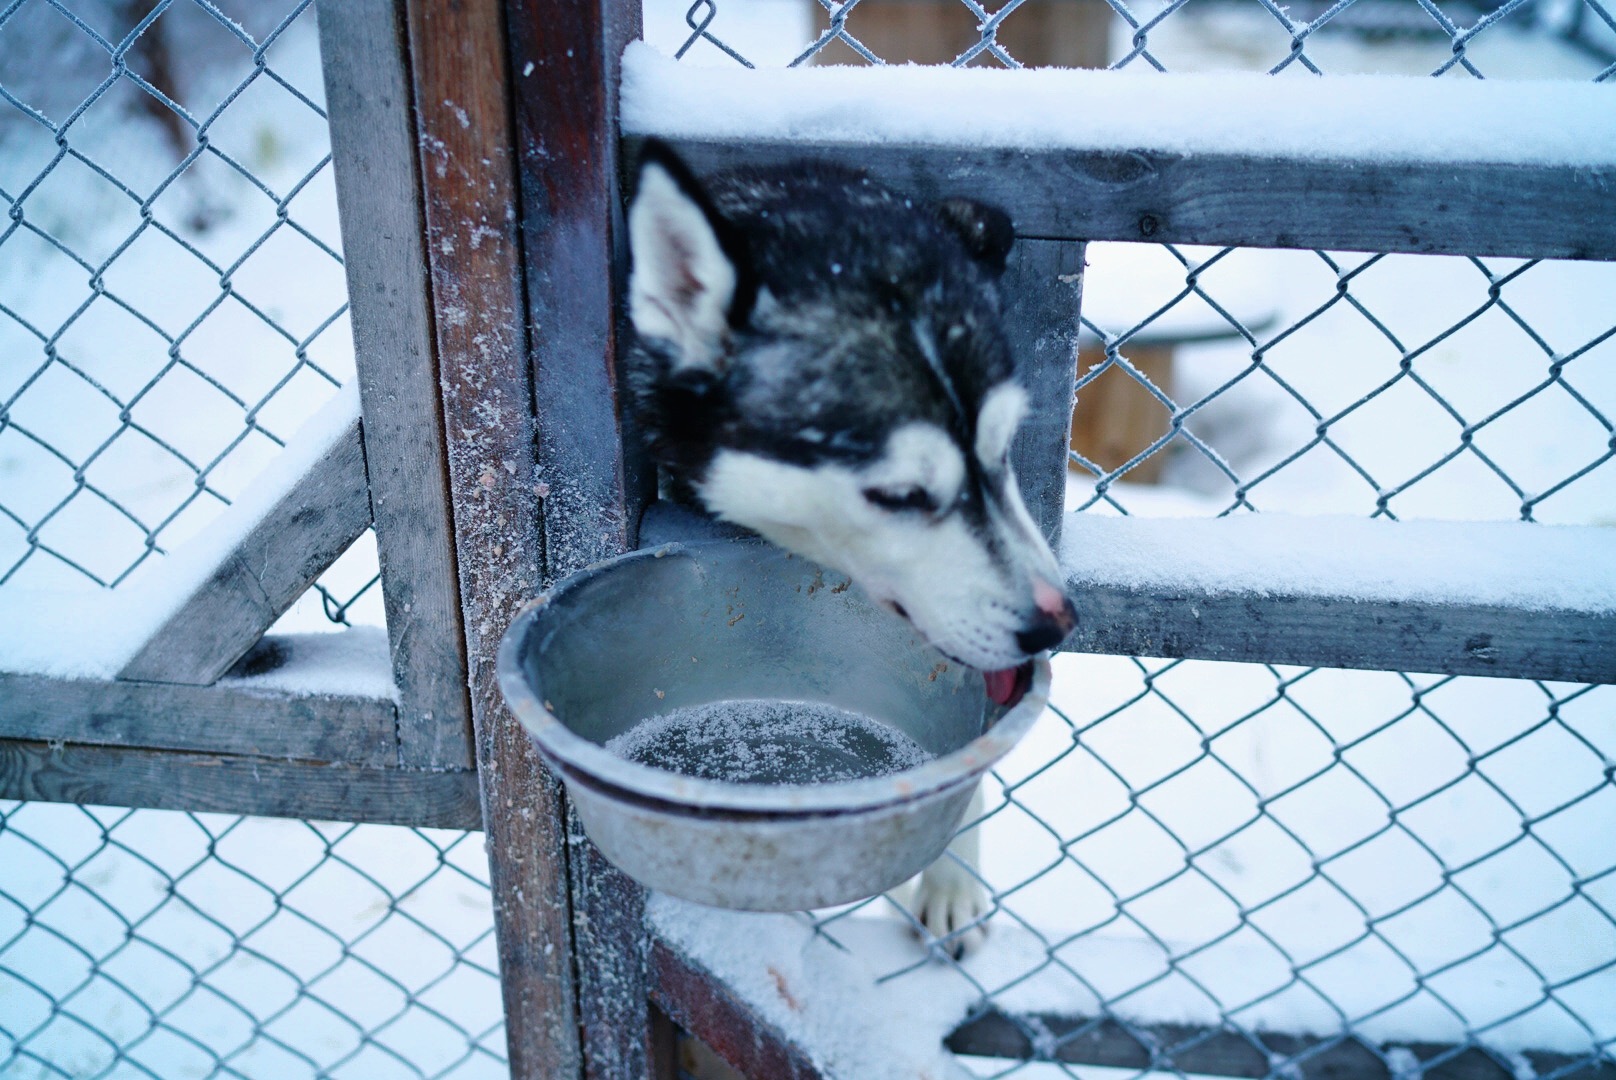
(822, 361)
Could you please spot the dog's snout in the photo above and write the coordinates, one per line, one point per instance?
(1055, 618)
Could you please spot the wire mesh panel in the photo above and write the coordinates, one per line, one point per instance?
(172, 302)
(1260, 870)
(161, 944)
(1479, 38)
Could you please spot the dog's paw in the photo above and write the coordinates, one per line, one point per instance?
(953, 906)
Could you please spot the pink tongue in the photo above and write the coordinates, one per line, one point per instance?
(1008, 685)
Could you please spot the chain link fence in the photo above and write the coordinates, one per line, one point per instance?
(1270, 871)
(172, 308)
(172, 302)
(1480, 38)
(168, 945)
(1303, 861)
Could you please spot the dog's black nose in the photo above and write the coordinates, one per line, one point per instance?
(1043, 635)
(1056, 617)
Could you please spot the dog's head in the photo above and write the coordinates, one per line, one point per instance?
(822, 360)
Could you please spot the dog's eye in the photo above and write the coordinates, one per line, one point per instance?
(902, 498)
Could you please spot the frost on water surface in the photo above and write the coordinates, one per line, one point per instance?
(769, 742)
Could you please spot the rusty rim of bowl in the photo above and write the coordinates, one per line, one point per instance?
(589, 762)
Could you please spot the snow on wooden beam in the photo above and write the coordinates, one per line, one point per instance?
(1371, 163)
(217, 719)
(1228, 1051)
(1467, 598)
(306, 697)
(722, 1018)
(223, 589)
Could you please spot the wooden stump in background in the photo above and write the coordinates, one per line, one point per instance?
(1040, 33)
(1116, 417)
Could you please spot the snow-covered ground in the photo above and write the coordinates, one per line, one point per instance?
(1179, 839)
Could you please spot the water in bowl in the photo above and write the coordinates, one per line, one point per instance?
(769, 742)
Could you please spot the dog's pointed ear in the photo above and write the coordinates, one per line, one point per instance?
(985, 230)
(683, 280)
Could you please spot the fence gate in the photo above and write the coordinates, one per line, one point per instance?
(1242, 844)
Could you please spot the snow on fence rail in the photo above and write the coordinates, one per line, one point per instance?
(1361, 164)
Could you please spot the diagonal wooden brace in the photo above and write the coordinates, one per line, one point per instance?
(227, 608)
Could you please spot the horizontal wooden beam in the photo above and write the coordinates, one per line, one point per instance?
(1461, 598)
(1366, 164)
(233, 784)
(1237, 199)
(698, 1001)
(316, 503)
(225, 719)
(1214, 1051)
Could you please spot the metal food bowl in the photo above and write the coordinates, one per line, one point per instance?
(692, 624)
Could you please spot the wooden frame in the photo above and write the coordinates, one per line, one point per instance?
(478, 171)
(1238, 200)
(172, 730)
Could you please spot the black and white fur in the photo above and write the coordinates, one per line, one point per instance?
(822, 360)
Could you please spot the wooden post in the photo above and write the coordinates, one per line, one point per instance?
(379, 196)
(1043, 290)
(462, 98)
(566, 54)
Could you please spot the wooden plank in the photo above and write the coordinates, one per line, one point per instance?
(302, 534)
(593, 489)
(698, 1002)
(219, 719)
(1237, 199)
(619, 1031)
(566, 113)
(1458, 598)
(232, 784)
(458, 59)
(378, 194)
(1043, 289)
(1213, 1051)
(1336, 632)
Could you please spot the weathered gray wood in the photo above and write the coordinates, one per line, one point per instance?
(1043, 289)
(1339, 632)
(574, 263)
(613, 972)
(231, 784)
(704, 1006)
(1213, 1051)
(279, 558)
(378, 193)
(221, 719)
(462, 92)
(1308, 618)
(1244, 200)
